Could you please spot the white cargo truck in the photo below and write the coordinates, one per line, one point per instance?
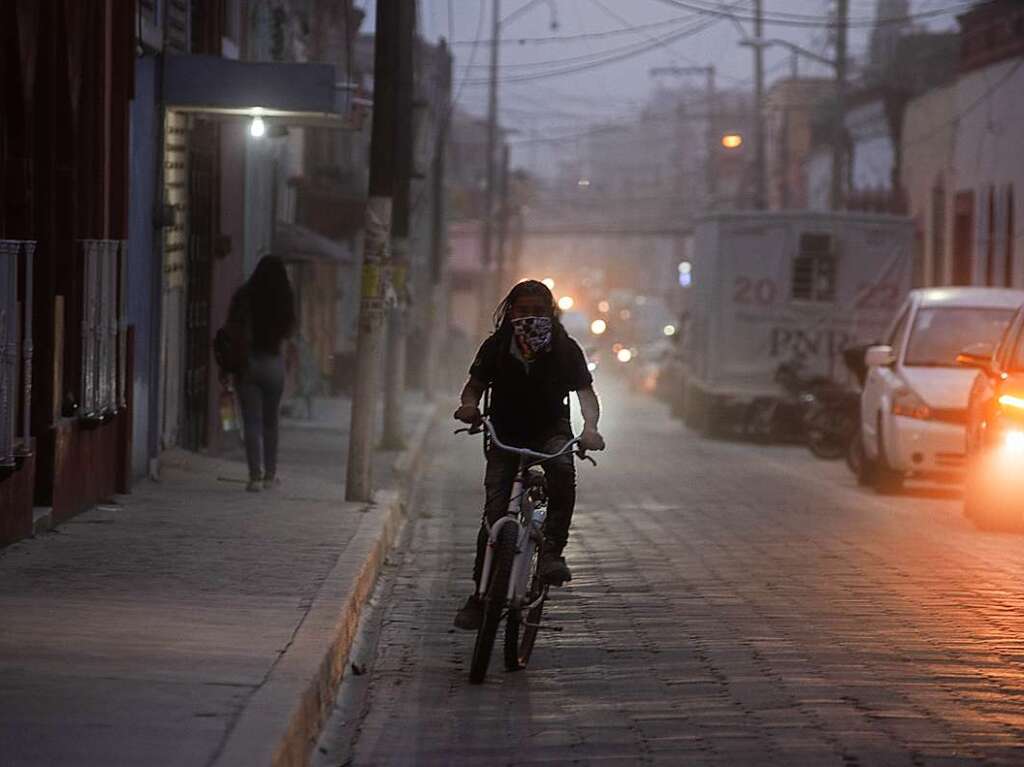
(773, 287)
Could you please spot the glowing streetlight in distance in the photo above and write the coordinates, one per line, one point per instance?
(550, 283)
(624, 355)
(583, 183)
(604, 307)
(732, 140)
(257, 128)
(597, 327)
(565, 303)
(685, 274)
(669, 330)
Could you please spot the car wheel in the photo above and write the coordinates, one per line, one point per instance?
(887, 480)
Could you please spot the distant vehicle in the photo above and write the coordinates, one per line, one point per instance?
(768, 287)
(994, 491)
(914, 405)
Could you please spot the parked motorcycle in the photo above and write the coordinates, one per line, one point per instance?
(815, 410)
(781, 419)
(831, 421)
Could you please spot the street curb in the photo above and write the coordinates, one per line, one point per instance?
(282, 720)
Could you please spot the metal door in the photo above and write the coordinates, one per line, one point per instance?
(202, 207)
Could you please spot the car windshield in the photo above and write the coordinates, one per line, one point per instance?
(939, 334)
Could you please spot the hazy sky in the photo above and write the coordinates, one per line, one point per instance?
(556, 106)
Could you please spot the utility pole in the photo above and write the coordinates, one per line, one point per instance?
(838, 126)
(759, 158)
(370, 337)
(487, 291)
(502, 272)
(710, 171)
(404, 140)
(438, 240)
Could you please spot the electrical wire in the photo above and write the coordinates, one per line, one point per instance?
(590, 56)
(559, 39)
(635, 50)
(779, 18)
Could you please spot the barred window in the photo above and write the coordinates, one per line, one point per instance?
(104, 328)
(16, 258)
(814, 268)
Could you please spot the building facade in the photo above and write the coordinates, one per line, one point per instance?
(961, 160)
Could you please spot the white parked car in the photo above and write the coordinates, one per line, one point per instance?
(914, 405)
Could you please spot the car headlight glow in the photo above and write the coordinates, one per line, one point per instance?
(908, 403)
(1008, 400)
(1013, 442)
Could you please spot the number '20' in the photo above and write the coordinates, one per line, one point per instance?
(754, 292)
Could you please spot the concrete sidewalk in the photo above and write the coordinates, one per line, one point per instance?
(193, 623)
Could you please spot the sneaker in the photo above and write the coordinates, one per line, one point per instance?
(471, 616)
(553, 570)
(254, 486)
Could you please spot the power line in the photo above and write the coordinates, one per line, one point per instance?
(635, 50)
(556, 39)
(815, 21)
(591, 55)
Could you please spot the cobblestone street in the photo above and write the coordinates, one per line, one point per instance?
(731, 604)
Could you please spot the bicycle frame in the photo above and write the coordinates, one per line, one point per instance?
(519, 513)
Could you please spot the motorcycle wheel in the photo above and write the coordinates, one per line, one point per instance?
(824, 435)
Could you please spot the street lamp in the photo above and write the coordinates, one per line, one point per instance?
(257, 128)
(732, 140)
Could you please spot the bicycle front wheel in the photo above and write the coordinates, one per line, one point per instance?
(520, 628)
(494, 603)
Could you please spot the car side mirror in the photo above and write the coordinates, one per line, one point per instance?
(879, 356)
(977, 355)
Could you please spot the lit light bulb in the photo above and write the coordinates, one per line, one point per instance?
(565, 303)
(732, 140)
(257, 128)
(625, 355)
(597, 327)
(669, 330)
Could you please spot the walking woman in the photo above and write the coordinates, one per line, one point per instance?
(264, 309)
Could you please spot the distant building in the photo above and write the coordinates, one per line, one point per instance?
(790, 109)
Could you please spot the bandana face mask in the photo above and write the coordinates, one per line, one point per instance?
(532, 334)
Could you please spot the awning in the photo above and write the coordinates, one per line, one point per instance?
(297, 243)
(290, 93)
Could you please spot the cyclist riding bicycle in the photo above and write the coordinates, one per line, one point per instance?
(530, 363)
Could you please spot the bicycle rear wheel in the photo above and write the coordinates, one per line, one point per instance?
(494, 602)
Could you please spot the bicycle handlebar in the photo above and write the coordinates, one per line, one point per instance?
(525, 452)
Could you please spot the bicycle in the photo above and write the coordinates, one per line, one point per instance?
(510, 583)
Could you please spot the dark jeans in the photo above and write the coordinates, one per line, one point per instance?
(561, 480)
(259, 390)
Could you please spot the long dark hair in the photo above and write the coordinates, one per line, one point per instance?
(271, 304)
(502, 318)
